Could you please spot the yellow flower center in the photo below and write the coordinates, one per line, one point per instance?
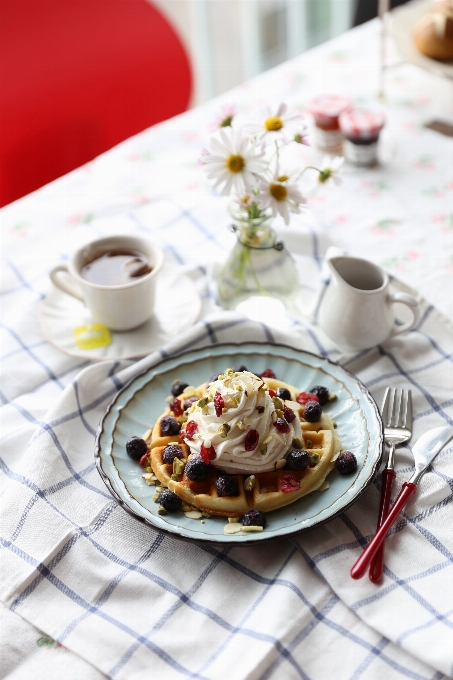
(235, 163)
(283, 178)
(273, 124)
(279, 192)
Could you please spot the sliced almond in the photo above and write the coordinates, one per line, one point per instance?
(252, 529)
(193, 514)
(232, 528)
(280, 463)
(293, 405)
(325, 485)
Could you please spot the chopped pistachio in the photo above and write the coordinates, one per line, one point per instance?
(314, 459)
(263, 449)
(201, 521)
(223, 430)
(297, 443)
(229, 372)
(178, 466)
(206, 514)
(187, 508)
(181, 419)
(233, 400)
(252, 529)
(249, 483)
(332, 396)
(240, 425)
(335, 424)
(175, 382)
(233, 520)
(279, 413)
(161, 510)
(309, 443)
(202, 402)
(278, 403)
(189, 392)
(156, 497)
(239, 388)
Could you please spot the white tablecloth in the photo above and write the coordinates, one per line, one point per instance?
(113, 594)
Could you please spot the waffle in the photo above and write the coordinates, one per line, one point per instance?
(266, 495)
(319, 437)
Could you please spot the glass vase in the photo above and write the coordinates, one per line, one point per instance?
(259, 275)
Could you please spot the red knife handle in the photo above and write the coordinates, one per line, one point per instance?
(377, 563)
(360, 567)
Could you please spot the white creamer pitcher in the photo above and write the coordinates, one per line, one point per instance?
(357, 310)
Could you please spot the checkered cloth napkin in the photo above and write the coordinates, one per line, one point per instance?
(135, 603)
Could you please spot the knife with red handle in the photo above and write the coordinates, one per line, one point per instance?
(425, 450)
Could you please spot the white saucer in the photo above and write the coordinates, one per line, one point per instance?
(178, 306)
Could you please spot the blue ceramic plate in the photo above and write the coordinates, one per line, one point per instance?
(137, 406)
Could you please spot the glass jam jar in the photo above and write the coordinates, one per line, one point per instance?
(361, 129)
(326, 110)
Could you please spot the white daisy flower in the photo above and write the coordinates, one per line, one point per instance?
(330, 168)
(277, 125)
(224, 118)
(280, 196)
(234, 162)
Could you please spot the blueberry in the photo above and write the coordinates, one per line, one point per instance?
(227, 486)
(169, 426)
(189, 401)
(254, 518)
(283, 393)
(346, 463)
(297, 459)
(169, 500)
(196, 469)
(240, 368)
(312, 411)
(322, 393)
(171, 452)
(178, 388)
(136, 448)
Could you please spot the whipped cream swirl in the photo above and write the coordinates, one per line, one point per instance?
(247, 407)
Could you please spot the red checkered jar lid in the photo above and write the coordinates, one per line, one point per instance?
(361, 123)
(329, 106)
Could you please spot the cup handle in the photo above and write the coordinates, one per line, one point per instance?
(411, 302)
(62, 279)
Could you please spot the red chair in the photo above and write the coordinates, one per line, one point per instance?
(78, 77)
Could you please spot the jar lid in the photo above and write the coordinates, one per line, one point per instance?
(361, 123)
(329, 105)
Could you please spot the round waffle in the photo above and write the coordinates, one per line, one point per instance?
(270, 488)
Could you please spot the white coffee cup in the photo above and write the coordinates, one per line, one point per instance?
(119, 307)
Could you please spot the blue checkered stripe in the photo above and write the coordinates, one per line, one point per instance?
(132, 601)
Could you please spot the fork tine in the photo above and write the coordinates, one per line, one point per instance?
(385, 406)
(402, 409)
(395, 408)
(408, 419)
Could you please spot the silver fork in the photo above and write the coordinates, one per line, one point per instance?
(397, 419)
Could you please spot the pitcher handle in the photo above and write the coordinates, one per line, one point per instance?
(62, 279)
(413, 304)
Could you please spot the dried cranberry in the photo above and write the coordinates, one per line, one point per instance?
(289, 414)
(207, 454)
(272, 393)
(144, 459)
(268, 373)
(251, 440)
(306, 396)
(289, 483)
(176, 407)
(189, 430)
(260, 409)
(281, 425)
(219, 403)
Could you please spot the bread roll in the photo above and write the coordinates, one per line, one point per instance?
(433, 32)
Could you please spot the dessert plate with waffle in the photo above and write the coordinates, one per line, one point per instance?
(240, 443)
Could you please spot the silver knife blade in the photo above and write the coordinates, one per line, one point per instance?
(427, 447)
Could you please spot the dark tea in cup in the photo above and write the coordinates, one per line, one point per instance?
(116, 267)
